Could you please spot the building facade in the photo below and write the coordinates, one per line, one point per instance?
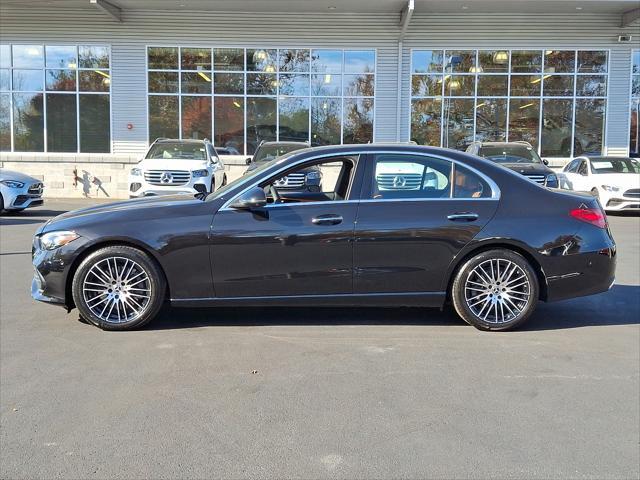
(86, 85)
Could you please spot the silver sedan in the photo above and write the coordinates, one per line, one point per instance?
(19, 191)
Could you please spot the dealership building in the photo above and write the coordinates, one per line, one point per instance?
(86, 85)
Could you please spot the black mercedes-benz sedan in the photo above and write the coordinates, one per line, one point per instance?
(393, 225)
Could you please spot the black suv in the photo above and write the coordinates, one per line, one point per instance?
(308, 180)
(520, 157)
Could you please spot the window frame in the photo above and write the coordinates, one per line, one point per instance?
(45, 92)
(277, 96)
(443, 97)
(634, 103)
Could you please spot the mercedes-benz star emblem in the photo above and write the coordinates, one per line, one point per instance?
(399, 182)
(166, 177)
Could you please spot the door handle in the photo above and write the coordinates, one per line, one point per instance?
(327, 220)
(463, 217)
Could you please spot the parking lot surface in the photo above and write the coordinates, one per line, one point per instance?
(318, 393)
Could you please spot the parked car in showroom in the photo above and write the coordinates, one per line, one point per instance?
(173, 166)
(520, 157)
(615, 181)
(468, 241)
(308, 180)
(19, 191)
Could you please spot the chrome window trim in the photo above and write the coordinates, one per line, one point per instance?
(495, 190)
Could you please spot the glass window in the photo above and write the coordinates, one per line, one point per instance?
(93, 56)
(591, 85)
(491, 120)
(493, 85)
(294, 60)
(359, 85)
(261, 121)
(61, 56)
(261, 84)
(458, 123)
(559, 61)
(529, 61)
(228, 83)
(359, 61)
(28, 56)
(459, 85)
(408, 176)
(196, 117)
(426, 121)
(326, 119)
(524, 120)
(60, 80)
(162, 58)
(51, 123)
(195, 58)
(358, 120)
(163, 117)
(592, 62)
(261, 60)
(525, 85)
(557, 123)
(294, 84)
(228, 122)
(426, 85)
(163, 82)
(328, 84)
(27, 80)
(196, 82)
(5, 56)
(467, 184)
(326, 61)
(634, 124)
(558, 85)
(294, 119)
(228, 59)
(589, 128)
(493, 61)
(28, 122)
(61, 123)
(95, 123)
(5, 122)
(460, 61)
(427, 61)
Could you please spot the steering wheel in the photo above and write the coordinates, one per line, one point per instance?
(274, 193)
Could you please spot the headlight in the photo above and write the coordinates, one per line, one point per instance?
(199, 173)
(552, 180)
(136, 172)
(314, 175)
(53, 240)
(12, 183)
(609, 188)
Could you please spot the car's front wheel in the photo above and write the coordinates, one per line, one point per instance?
(495, 290)
(118, 288)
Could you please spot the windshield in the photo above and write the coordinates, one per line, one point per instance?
(615, 165)
(266, 153)
(178, 150)
(510, 154)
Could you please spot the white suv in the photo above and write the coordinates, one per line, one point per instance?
(177, 166)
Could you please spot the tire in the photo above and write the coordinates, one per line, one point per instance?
(224, 180)
(118, 288)
(495, 290)
(212, 186)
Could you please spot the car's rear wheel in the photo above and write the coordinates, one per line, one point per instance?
(118, 288)
(495, 290)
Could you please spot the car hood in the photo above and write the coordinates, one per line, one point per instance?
(528, 168)
(138, 207)
(17, 176)
(621, 180)
(171, 164)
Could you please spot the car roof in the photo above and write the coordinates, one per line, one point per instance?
(178, 140)
(284, 143)
(602, 157)
(501, 144)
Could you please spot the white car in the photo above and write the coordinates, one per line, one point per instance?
(19, 191)
(177, 166)
(614, 180)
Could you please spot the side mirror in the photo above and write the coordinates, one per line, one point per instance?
(253, 198)
(247, 160)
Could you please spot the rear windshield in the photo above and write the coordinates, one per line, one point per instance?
(615, 165)
(269, 152)
(177, 150)
(510, 154)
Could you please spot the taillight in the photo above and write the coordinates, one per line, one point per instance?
(594, 216)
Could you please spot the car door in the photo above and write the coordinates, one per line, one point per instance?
(565, 177)
(413, 220)
(295, 246)
(579, 179)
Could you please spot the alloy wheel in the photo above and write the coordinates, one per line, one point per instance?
(116, 290)
(497, 291)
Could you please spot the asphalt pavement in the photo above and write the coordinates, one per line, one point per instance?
(318, 393)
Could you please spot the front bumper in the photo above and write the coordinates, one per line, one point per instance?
(139, 187)
(20, 198)
(615, 204)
